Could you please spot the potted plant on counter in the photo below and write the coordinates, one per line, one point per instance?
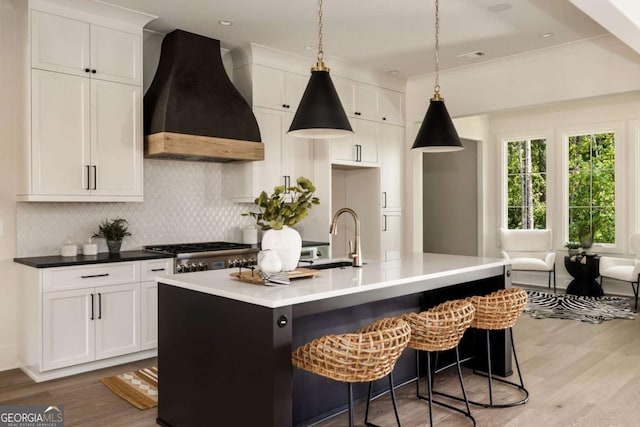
(279, 211)
(114, 231)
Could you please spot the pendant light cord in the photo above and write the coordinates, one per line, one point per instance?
(320, 56)
(436, 88)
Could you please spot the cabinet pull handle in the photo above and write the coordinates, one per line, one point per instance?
(93, 71)
(157, 269)
(284, 105)
(384, 229)
(384, 195)
(95, 177)
(88, 177)
(94, 275)
(99, 305)
(92, 316)
(358, 153)
(86, 70)
(358, 113)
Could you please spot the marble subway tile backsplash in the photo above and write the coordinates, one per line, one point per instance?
(183, 202)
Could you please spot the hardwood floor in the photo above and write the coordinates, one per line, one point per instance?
(578, 375)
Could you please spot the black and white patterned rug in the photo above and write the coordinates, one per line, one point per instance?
(543, 305)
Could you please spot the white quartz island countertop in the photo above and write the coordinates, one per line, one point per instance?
(330, 283)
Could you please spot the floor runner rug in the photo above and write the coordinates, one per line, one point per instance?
(139, 388)
(543, 305)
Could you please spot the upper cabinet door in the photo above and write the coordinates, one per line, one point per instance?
(116, 143)
(391, 107)
(346, 91)
(295, 84)
(115, 55)
(60, 134)
(60, 44)
(366, 102)
(268, 87)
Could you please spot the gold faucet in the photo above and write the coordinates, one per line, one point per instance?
(356, 255)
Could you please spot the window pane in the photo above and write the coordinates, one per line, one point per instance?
(526, 184)
(591, 189)
(604, 225)
(514, 218)
(579, 189)
(604, 187)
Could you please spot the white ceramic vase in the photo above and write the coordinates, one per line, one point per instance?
(287, 243)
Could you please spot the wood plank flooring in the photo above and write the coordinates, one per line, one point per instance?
(578, 375)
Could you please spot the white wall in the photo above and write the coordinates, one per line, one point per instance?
(551, 89)
(8, 135)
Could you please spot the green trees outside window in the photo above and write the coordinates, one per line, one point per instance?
(592, 187)
(527, 184)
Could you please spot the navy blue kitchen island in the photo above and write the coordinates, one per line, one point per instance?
(224, 346)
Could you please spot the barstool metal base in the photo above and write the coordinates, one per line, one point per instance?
(491, 378)
(429, 397)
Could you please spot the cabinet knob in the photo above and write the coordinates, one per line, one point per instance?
(384, 118)
(93, 71)
(86, 70)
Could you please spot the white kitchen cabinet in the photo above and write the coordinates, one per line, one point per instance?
(391, 237)
(149, 300)
(285, 159)
(392, 167)
(361, 149)
(74, 47)
(391, 106)
(85, 139)
(368, 102)
(277, 89)
(85, 317)
(68, 333)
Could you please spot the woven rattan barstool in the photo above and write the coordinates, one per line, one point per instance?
(499, 311)
(364, 356)
(438, 329)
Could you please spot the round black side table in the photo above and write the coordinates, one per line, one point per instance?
(584, 275)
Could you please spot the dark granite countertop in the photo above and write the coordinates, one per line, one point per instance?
(100, 258)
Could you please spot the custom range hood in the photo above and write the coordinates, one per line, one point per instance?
(192, 111)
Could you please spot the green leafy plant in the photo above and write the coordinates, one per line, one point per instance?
(572, 245)
(114, 230)
(285, 206)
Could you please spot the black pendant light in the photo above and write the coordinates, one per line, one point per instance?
(320, 113)
(437, 133)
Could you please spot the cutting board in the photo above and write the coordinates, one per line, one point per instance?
(252, 276)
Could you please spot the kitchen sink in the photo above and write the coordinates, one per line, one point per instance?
(324, 266)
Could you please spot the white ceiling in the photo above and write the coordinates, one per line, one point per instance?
(379, 34)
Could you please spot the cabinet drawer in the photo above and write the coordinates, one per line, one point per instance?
(60, 278)
(150, 269)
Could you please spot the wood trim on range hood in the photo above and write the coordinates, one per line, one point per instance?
(168, 145)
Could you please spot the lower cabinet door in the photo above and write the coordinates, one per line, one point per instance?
(67, 328)
(117, 320)
(149, 315)
(391, 240)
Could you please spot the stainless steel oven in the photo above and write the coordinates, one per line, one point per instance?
(203, 256)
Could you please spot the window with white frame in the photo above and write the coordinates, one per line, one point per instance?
(592, 187)
(526, 168)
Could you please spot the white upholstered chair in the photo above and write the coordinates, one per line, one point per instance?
(530, 250)
(625, 269)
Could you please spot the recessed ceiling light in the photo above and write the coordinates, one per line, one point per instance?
(309, 47)
(499, 7)
(393, 72)
(225, 23)
(546, 35)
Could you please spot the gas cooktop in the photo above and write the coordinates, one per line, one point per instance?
(182, 248)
